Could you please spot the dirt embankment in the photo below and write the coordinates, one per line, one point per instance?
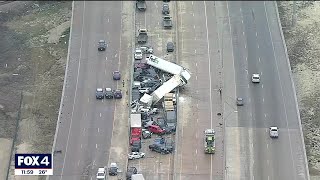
(33, 47)
(304, 52)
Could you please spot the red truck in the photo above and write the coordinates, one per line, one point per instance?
(156, 129)
(135, 122)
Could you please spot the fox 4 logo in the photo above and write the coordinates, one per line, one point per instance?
(33, 161)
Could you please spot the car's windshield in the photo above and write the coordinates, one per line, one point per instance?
(100, 174)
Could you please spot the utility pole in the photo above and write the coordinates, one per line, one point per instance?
(294, 14)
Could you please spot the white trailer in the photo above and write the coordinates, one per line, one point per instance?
(135, 120)
(137, 177)
(166, 87)
(169, 67)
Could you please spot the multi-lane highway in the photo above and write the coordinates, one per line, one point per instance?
(258, 48)
(85, 124)
(203, 37)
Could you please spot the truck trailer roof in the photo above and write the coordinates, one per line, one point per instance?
(135, 120)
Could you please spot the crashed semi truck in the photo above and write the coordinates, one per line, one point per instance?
(209, 141)
(170, 67)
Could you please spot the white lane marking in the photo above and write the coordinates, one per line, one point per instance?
(192, 2)
(105, 72)
(158, 23)
(84, 130)
(267, 146)
(266, 130)
(252, 145)
(192, 14)
(100, 114)
(262, 86)
(78, 162)
(248, 86)
(245, 46)
(246, 58)
(263, 99)
(268, 178)
(259, 59)
(195, 38)
(197, 120)
(196, 64)
(252, 177)
(96, 146)
(209, 69)
(196, 151)
(241, 10)
(116, 55)
(158, 35)
(107, 45)
(80, 146)
(196, 167)
(107, 33)
(258, 46)
(242, 31)
(242, 23)
(98, 130)
(284, 106)
(195, 51)
(247, 72)
(196, 77)
(108, 20)
(256, 34)
(265, 115)
(194, 26)
(106, 58)
(197, 105)
(102, 100)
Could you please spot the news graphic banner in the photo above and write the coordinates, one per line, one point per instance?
(33, 164)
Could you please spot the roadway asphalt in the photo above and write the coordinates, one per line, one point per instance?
(203, 37)
(86, 126)
(258, 48)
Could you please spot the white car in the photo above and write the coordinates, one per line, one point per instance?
(136, 155)
(101, 174)
(255, 78)
(274, 133)
(138, 54)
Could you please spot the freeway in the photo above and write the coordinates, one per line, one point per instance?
(203, 37)
(85, 124)
(258, 48)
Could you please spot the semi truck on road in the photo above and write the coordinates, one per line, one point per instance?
(169, 67)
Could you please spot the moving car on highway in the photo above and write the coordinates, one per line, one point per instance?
(136, 155)
(102, 45)
(255, 78)
(113, 169)
(239, 101)
(274, 133)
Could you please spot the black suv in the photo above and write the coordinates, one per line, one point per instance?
(102, 45)
(108, 93)
(117, 94)
(136, 146)
(99, 93)
(159, 148)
